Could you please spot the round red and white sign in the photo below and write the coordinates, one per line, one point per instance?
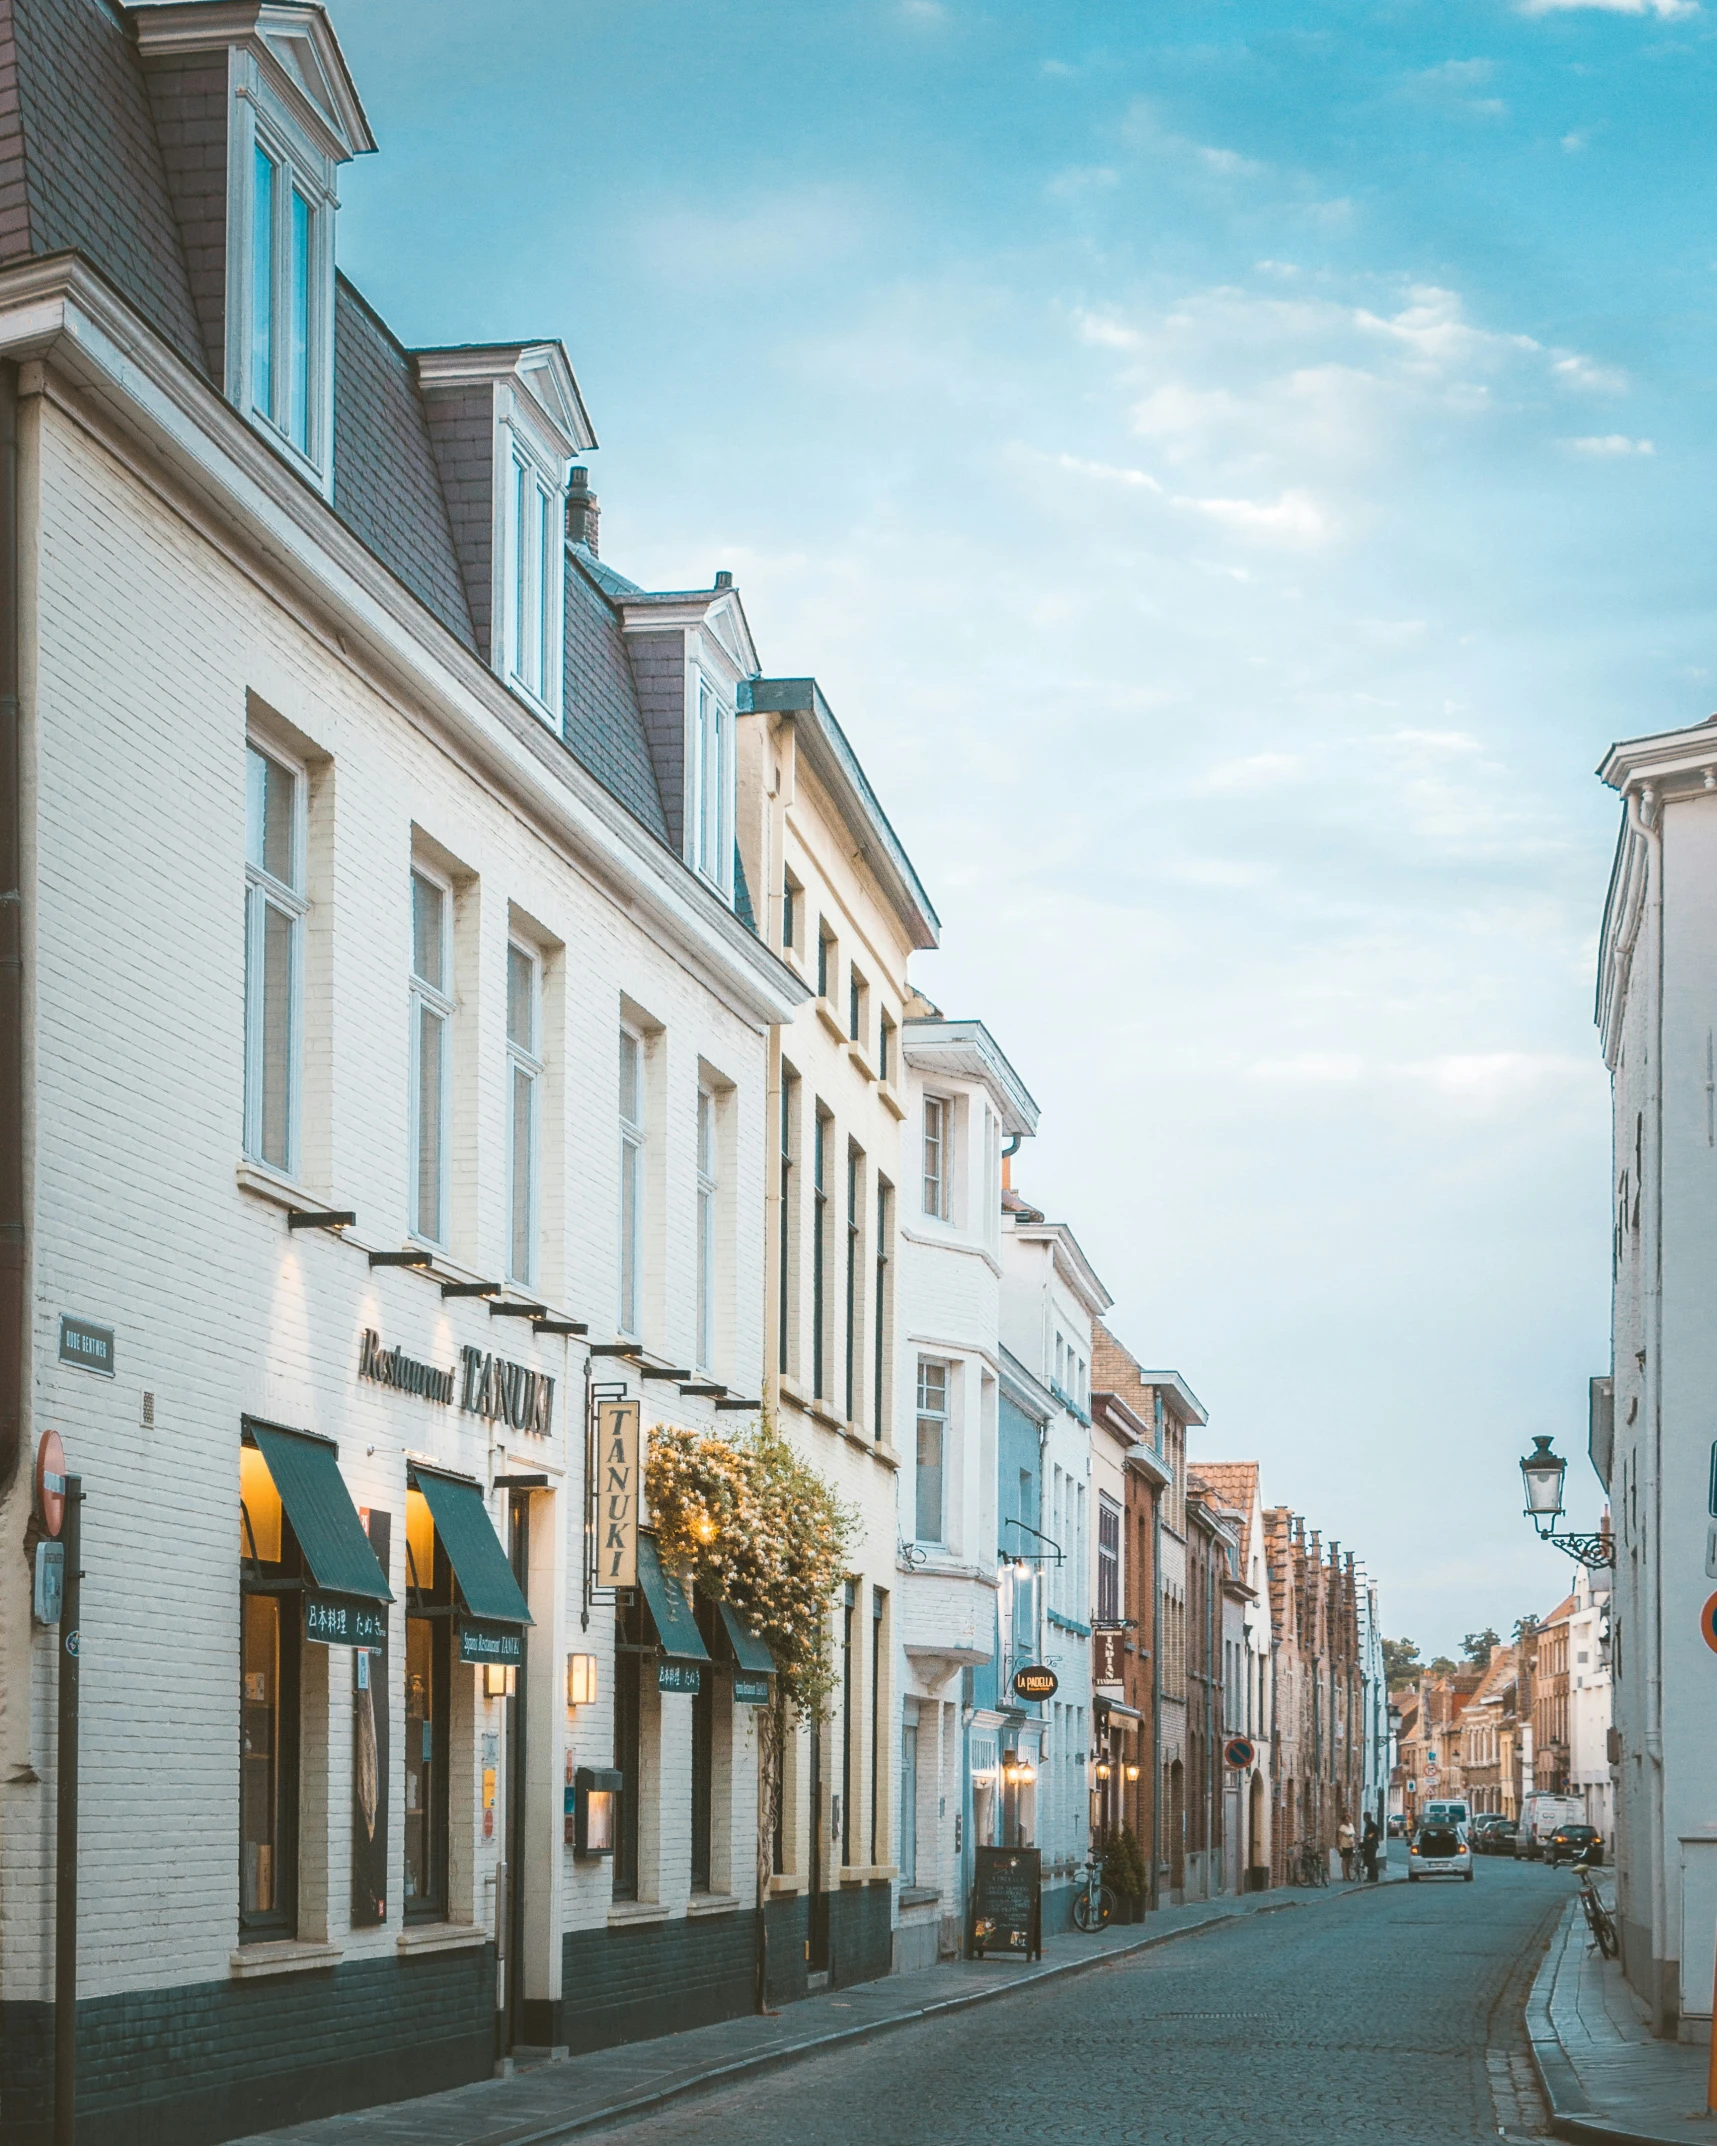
(51, 1482)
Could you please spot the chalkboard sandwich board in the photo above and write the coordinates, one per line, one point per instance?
(1007, 1903)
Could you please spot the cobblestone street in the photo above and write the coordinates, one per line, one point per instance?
(1391, 2018)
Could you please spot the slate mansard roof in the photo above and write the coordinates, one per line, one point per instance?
(82, 171)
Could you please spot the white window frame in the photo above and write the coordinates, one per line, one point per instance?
(425, 996)
(528, 649)
(633, 1138)
(711, 802)
(262, 893)
(708, 1192)
(923, 1413)
(524, 1058)
(258, 121)
(943, 1109)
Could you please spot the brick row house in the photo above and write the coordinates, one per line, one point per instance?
(1321, 1714)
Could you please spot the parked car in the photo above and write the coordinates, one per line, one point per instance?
(1574, 1844)
(1397, 1825)
(1495, 1835)
(1439, 1851)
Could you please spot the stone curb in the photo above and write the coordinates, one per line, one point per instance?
(1571, 2113)
(767, 2060)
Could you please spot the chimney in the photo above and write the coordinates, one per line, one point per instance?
(583, 515)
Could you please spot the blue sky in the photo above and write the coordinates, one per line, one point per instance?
(1233, 468)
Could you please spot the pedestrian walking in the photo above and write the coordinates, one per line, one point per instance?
(1344, 1840)
(1370, 1841)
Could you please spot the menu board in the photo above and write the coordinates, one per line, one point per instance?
(1007, 1903)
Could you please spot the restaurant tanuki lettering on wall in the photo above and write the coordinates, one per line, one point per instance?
(489, 1385)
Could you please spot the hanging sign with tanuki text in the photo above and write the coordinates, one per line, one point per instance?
(617, 1493)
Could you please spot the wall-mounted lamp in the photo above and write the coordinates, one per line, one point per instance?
(581, 1680)
(498, 1680)
(1132, 1773)
(596, 1795)
(1103, 1769)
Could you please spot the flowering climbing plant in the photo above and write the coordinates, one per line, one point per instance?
(753, 1525)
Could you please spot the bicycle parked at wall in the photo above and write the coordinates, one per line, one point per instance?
(1310, 1866)
(1094, 1903)
(1599, 1920)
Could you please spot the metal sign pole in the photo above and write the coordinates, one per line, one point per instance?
(66, 1832)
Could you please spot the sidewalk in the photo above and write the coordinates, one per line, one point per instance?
(1605, 2075)
(554, 2101)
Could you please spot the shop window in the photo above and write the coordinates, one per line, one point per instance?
(270, 1666)
(428, 1633)
(909, 1793)
(524, 1109)
(703, 1755)
(629, 1654)
(431, 1052)
(275, 908)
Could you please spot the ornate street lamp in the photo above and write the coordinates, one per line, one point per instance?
(1543, 1473)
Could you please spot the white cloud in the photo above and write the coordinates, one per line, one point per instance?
(1574, 143)
(1664, 10)
(1082, 179)
(1293, 518)
(1610, 444)
(1574, 371)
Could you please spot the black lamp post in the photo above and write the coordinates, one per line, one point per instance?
(1543, 1472)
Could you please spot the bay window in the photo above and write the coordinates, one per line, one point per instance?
(932, 1449)
(285, 321)
(712, 777)
(533, 524)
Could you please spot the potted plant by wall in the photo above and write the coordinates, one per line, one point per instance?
(1124, 1874)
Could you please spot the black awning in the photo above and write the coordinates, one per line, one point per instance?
(336, 1549)
(473, 1549)
(676, 1627)
(748, 1650)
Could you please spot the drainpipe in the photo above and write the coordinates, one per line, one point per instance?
(1645, 817)
(12, 1245)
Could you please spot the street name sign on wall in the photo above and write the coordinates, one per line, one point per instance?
(88, 1346)
(617, 1493)
(750, 1691)
(1036, 1682)
(1007, 1902)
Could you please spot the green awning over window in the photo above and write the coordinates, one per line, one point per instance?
(748, 1650)
(676, 1627)
(473, 1549)
(324, 1519)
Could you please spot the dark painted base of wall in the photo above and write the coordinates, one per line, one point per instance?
(630, 1985)
(1058, 1909)
(213, 2060)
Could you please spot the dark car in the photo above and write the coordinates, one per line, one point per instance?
(1497, 1835)
(1574, 1844)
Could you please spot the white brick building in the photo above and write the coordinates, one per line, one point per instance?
(377, 860)
(963, 1099)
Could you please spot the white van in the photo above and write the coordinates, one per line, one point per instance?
(1449, 1811)
(1540, 1814)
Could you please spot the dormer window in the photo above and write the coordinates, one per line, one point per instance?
(287, 319)
(507, 421)
(712, 787)
(255, 185)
